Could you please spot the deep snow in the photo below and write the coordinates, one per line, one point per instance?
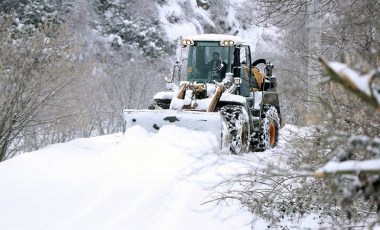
(136, 181)
(139, 180)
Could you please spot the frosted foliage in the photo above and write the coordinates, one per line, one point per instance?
(127, 23)
(29, 15)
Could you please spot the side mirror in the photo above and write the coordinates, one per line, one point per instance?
(176, 72)
(269, 69)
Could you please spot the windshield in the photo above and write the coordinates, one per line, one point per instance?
(208, 61)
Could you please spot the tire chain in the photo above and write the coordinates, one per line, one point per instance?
(231, 113)
(268, 113)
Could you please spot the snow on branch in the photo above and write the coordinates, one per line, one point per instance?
(366, 87)
(349, 167)
(341, 165)
(363, 86)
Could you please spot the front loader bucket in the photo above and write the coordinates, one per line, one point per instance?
(153, 120)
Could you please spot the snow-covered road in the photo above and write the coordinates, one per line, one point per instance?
(138, 180)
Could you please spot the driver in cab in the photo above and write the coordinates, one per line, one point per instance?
(217, 66)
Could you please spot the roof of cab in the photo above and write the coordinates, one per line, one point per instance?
(215, 37)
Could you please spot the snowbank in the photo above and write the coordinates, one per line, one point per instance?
(137, 181)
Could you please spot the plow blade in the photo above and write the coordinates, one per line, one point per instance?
(153, 120)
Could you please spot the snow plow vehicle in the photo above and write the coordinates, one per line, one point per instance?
(216, 87)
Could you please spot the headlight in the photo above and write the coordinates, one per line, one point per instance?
(187, 42)
(227, 43)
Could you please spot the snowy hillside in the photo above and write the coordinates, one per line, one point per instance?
(136, 181)
(183, 18)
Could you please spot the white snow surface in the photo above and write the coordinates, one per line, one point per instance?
(164, 95)
(203, 104)
(135, 181)
(233, 98)
(138, 180)
(173, 11)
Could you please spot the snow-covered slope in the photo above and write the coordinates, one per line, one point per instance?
(236, 17)
(136, 181)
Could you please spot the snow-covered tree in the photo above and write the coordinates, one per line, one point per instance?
(348, 128)
(134, 24)
(37, 75)
(29, 15)
(356, 162)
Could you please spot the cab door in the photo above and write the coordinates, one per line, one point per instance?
(245, 69)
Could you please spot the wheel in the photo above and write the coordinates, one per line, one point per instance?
(269, 128)
(236, 131)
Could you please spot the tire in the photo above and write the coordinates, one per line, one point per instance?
(269, 128)
(236, 131)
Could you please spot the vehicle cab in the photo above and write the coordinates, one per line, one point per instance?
(211, 56)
